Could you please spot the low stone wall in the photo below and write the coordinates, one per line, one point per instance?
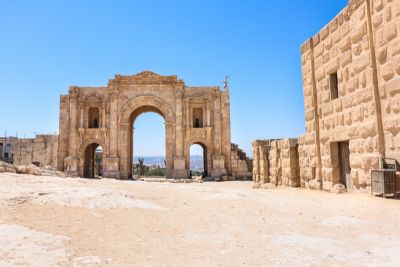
(241, 165)
(276, 162)
(40, 151)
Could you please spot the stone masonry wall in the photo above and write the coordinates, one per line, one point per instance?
(276, 162)
(386, 28)
(41, 150)
(241, 165)
(362, 45)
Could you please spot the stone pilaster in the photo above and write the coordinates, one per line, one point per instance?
(113, 161)
(179, 159)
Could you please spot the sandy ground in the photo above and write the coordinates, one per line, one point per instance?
(49, 221)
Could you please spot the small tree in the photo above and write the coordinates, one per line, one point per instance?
(141, 166)
(98, 162)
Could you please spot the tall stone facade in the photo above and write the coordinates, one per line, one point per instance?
(351, 83)
(104, 116)
(41, 151)
(351, 87)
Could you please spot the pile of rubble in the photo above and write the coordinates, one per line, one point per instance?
(30, 169)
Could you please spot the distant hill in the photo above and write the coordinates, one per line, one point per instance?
(196, 162)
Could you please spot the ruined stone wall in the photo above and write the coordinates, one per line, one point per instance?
(261, 149)
(241, 165)
(362, 46)
(276, 162)
(41, 150)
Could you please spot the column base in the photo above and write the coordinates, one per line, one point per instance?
(113, 174)
(71, 166)
(179, 174)
(219, 169)
(112, 170)
(218, 173)
(179, 171)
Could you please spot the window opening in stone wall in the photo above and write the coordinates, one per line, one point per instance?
(197, 118)
(333, 83)
(94, 115)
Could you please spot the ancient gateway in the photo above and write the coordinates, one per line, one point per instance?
(93, 116)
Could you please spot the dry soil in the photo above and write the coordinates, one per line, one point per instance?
(49, 221)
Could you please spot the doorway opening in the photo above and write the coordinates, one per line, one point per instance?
(148, 144)
(93, 162)
(344, 164)
(198, 161)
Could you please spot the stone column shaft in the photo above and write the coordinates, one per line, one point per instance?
(179, 124)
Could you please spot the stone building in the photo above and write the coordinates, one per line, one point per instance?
(104, 116)
(351, 87)
(41, 151)
(7, 148)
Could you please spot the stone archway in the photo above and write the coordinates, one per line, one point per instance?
(106, 113)
(207, 161)
(129, 113)
(87, 151)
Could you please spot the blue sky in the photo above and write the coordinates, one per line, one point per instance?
(48, 45)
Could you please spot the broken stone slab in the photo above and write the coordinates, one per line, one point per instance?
(7, 167)
(33, 170)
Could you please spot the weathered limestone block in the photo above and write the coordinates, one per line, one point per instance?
(393, 87)
(313, 184)
(359, 32)
(390, 31)
(346, 58)
(33, 170)
(6, 167)
(361, 63)
(338, 189)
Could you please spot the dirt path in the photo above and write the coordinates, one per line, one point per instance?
(48, 221)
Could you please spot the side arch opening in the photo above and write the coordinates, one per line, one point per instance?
(93, 161)
(198, 161)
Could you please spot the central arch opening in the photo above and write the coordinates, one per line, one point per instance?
(147, 143)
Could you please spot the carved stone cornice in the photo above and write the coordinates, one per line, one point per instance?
(73, 92)
(215, 92)
(64, 98)
(145, 77)
(113, 92)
